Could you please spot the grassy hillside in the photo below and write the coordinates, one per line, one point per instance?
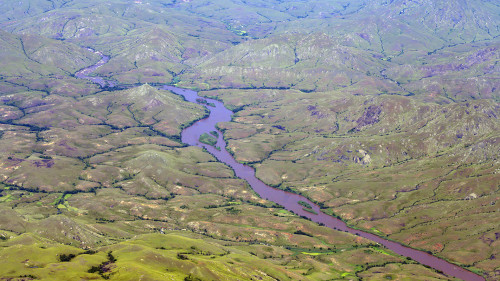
(385, 113)
(417, 172)
(177, 255)
(99, 187)
(309, 45)
(31, 62)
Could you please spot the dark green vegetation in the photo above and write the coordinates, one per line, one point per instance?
(208, 139)
(307, 207)
(383, 112)
(305, 204)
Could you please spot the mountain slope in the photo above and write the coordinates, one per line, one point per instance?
(385, 113)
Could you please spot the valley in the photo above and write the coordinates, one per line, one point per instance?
(377, 115)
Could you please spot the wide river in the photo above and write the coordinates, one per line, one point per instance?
(219, 113)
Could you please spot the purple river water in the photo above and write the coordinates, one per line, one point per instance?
(84, 73)
(289, 201)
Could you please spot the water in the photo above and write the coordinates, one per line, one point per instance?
(84, 73)
(289, 201)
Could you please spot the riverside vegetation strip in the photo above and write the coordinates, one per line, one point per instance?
(64, 194)
(293, 202)
(386, 106)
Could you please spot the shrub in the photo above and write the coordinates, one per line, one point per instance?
(66, 257)
(233, 211)
(182, 256)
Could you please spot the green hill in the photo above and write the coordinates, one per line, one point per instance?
(385, 113)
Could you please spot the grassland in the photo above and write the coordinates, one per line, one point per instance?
(177, 255)
(389, 122)
(104, 190)
(414, 171)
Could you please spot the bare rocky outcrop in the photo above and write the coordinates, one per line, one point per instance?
(364, 159)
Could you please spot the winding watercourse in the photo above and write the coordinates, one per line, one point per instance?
(290, 201)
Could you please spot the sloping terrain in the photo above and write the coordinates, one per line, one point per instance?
(31, 62)
(385, 113)
(98, 186)
(415, 171)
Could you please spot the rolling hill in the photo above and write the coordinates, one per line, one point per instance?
(384, 113)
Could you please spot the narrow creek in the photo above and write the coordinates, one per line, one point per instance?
(290, 201)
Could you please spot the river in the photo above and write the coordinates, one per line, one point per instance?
(290, 201)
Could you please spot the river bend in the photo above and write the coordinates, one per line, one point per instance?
(219, 113)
